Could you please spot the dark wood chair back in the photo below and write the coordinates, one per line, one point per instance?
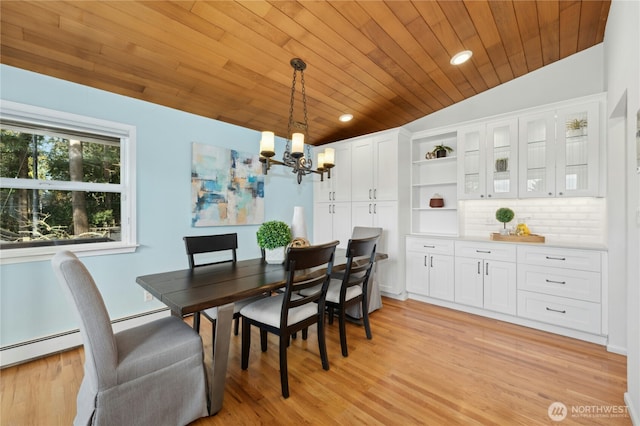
(210, 244)
(300, 263)
(361, 254)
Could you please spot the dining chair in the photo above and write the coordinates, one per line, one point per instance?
(348, 287)
(199, 249)
(289, 312)
(150, 374)
(374, 298)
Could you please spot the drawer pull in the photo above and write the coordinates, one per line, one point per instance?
(483, 251)
(429, 246)
(555, 282)
(555, 258)
(556, 310)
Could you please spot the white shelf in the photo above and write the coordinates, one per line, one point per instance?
(444, 183)
(447, 159)
(433, 208)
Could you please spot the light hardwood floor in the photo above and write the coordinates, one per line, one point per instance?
(425, 365)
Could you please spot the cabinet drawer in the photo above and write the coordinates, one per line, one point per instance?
(561, 311)
(430, 245)
(488, 251)
(585, 260)
(582, 285)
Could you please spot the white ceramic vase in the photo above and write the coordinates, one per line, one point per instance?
(274, 256)
(298, 225)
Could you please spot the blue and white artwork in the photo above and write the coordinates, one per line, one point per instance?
(227, 187)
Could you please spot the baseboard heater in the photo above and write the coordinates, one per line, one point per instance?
(30, 350)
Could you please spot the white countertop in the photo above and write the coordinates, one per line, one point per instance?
(547, 243)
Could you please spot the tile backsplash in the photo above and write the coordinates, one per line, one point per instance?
(560, 220)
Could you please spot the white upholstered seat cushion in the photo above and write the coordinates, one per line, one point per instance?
(333, 292)
(267, 311)
(237, 306)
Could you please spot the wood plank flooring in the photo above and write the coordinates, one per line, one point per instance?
(425, 365)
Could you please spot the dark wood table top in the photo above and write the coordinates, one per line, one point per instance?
(191, 290)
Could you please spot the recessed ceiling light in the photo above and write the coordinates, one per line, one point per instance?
(461, 57)
(345, 117)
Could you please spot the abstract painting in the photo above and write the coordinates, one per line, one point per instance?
(227, 187)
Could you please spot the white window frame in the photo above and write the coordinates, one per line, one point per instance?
(12, 111)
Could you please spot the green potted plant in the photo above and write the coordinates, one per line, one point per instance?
(274, 236)
(441, 150)
(504, 215)
(576, 127)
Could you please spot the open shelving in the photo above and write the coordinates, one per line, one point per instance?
(430, 177)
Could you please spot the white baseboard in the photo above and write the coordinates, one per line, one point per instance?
(632, 409)
(620, 350)
(33, 349)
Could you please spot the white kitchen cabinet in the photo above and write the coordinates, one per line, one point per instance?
(375, 167)
(378, 195)
(469, 287)
(485, 276)
(562, 287)
(488, 160)
(382, 214)
(431, 177)
(559, 152)
(577, 166)
(430, 267)
(338, 187)
(332, 221)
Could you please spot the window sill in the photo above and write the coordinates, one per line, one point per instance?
(38, 254)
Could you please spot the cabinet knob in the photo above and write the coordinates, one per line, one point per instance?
(489, 196)
(559, 193)
(482, 196)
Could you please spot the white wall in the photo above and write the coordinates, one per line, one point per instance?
(622, 68)
(31, 303)
(571, 220)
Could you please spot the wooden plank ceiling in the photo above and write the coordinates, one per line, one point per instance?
(385, 62)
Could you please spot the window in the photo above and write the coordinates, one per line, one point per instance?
(65, 180)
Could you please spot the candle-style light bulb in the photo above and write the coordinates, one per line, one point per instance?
(267, 143)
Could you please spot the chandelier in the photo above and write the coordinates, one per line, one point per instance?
(294, 155)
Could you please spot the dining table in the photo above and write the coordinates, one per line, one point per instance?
(187, 291)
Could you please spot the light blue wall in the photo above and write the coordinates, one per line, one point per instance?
(31, 304)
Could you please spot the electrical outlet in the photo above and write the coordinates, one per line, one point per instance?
(147, 296)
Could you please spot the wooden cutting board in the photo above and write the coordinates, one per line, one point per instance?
(532, 238)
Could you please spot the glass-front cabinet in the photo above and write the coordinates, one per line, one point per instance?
(487, 160)
(502, 159)
(577, 151)
(471, 163)
(537, 155)
(559, 152)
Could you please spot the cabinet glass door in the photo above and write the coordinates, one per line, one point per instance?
(471, 163)
(537, 155)
(577, 166)
(502, 159)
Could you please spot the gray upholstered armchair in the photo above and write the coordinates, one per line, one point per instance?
(152, 374)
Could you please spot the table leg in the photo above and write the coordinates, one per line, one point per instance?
(218, 371)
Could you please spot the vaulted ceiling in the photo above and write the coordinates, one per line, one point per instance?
(385, 62)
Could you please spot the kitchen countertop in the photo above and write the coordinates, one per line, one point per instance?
(547, 243)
